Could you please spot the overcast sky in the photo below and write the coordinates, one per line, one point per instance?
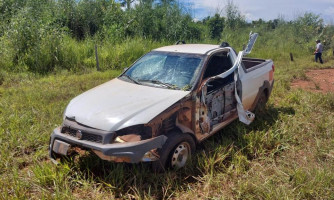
(265, 9)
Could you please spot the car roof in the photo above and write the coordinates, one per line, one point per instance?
(189, 48)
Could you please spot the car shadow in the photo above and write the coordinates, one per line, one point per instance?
(240, 135)
(263, 122)
(138, 180)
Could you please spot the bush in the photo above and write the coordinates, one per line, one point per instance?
(46, 35)
(2, 77)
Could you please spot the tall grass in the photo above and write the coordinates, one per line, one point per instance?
(73, 55)
(286, 153)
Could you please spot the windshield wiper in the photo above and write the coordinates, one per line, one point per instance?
(131, 79)
(168, 85)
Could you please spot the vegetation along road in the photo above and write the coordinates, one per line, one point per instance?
(47, 57)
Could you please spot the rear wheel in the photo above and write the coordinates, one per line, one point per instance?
(261, 103)
(175, 152)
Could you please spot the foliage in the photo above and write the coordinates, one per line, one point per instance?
(38, 35)
(234, 18)
(43, 36)
(308, 26)
(31, 40)
(163, 20)
(215, 25)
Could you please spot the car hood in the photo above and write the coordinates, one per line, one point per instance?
(118, 104)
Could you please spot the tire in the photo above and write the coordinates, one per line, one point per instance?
(261, 102)
(175, 152)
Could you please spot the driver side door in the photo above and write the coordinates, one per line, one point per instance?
(217, 98)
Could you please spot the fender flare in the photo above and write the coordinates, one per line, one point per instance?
(265, 87)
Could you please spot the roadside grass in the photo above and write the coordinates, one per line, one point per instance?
(287, 153)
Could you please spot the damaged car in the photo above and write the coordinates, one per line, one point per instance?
(165, 104)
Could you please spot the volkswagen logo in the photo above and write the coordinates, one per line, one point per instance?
(78, 134)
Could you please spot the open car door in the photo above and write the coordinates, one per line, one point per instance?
(244, 116)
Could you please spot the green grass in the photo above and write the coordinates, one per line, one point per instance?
(287, 153)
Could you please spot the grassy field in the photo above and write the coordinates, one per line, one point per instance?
(287, 153)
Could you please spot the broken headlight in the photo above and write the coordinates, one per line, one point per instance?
(133, 133)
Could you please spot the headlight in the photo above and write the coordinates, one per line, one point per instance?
(133, 133)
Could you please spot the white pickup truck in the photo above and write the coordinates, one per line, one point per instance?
(167, 102)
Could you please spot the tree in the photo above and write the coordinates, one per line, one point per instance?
(308, 26)
(234, 18)
(127, 3)
(216, 26)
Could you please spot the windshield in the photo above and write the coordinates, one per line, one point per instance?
(170, 70)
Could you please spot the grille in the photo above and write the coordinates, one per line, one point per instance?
(92, 137)
(85, 136)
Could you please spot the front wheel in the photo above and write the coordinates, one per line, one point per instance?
(175, 152)
(180, 155)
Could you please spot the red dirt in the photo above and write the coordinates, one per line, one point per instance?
(319, 80)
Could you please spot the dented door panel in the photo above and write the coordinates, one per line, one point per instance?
(217, 107)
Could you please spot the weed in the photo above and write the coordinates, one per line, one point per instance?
(287, 152)
(317, 86)
(2, 77)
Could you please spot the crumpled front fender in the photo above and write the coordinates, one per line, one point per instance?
(134, 151)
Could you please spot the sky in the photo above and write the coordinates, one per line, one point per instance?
(264, 9)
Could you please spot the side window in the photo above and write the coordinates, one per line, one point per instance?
(218, 63)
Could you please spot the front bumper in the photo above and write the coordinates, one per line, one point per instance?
(132, 152)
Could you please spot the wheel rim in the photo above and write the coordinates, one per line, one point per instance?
(180, 155)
